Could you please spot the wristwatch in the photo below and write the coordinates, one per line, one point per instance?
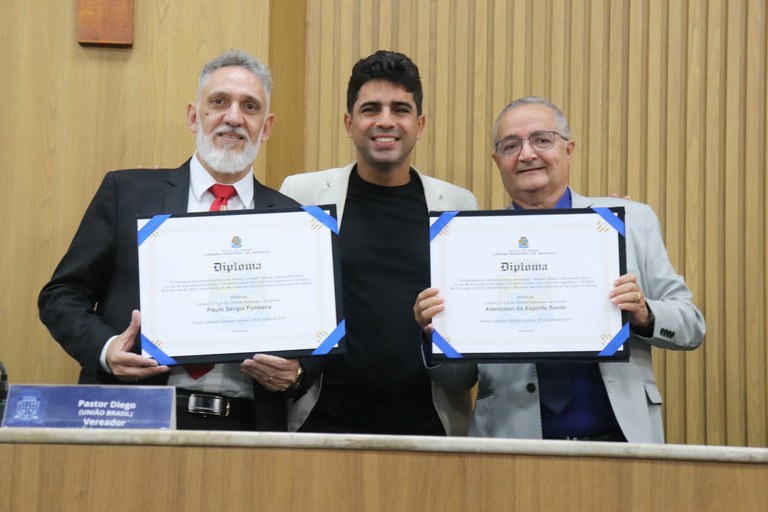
(299, 378)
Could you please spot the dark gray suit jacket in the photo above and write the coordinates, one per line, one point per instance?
(95, 287)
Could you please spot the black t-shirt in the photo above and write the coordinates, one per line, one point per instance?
(379, 384)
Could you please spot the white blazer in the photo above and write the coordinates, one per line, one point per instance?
(453, 406)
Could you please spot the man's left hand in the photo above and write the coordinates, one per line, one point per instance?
(628, 296)
(273, 373)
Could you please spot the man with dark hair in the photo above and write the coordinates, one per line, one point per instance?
(392, 67)
(380, 385)
(94, 292)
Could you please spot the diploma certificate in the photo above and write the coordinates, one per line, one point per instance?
(528, 285)
(218, 287)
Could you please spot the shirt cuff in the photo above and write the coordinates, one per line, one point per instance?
(103, 356)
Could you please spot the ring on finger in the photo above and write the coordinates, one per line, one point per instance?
(270, 378)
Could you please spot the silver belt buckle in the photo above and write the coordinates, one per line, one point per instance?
(208, 404)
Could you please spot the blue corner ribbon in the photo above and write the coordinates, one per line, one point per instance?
(621, 337)
(322, 217)
(151, 226)
(611, 219)
(443, 345)
(332, 339)
(440, 223)
(155, 352)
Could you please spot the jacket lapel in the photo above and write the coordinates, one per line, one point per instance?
(334, 190)
(434, 197)
(260, 199)
(177, 193)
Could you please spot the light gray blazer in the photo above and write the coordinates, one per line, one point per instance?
(508, 405)
(454, 407)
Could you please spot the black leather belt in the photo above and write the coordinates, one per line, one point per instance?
(210, 404)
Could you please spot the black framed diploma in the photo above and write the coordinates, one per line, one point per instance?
(528, 285)
(223, 286)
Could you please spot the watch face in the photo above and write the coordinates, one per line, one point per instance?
(299, 378)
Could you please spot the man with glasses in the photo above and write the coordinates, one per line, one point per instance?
(583, 401)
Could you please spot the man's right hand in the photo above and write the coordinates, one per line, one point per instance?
(124, 364)
(428, 304)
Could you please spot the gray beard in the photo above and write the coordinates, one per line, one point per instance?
(225, 161)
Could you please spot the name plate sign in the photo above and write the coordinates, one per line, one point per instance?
(111, 407)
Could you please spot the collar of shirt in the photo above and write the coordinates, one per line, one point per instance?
(563, 202)
(200, 198)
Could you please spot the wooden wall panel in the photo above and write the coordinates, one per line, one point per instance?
(753, 142)
(287, 54)
(693, 228)
(667, 102)
(714, 248)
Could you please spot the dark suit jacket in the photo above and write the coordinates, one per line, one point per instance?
(96, 286)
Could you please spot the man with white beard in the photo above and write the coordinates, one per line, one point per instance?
(91, 303)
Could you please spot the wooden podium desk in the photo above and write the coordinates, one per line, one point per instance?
(142, 470)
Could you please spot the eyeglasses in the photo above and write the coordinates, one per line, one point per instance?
(542, 141)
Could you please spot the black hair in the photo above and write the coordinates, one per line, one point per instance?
(389, 66)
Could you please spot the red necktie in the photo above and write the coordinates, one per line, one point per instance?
(222, 193)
